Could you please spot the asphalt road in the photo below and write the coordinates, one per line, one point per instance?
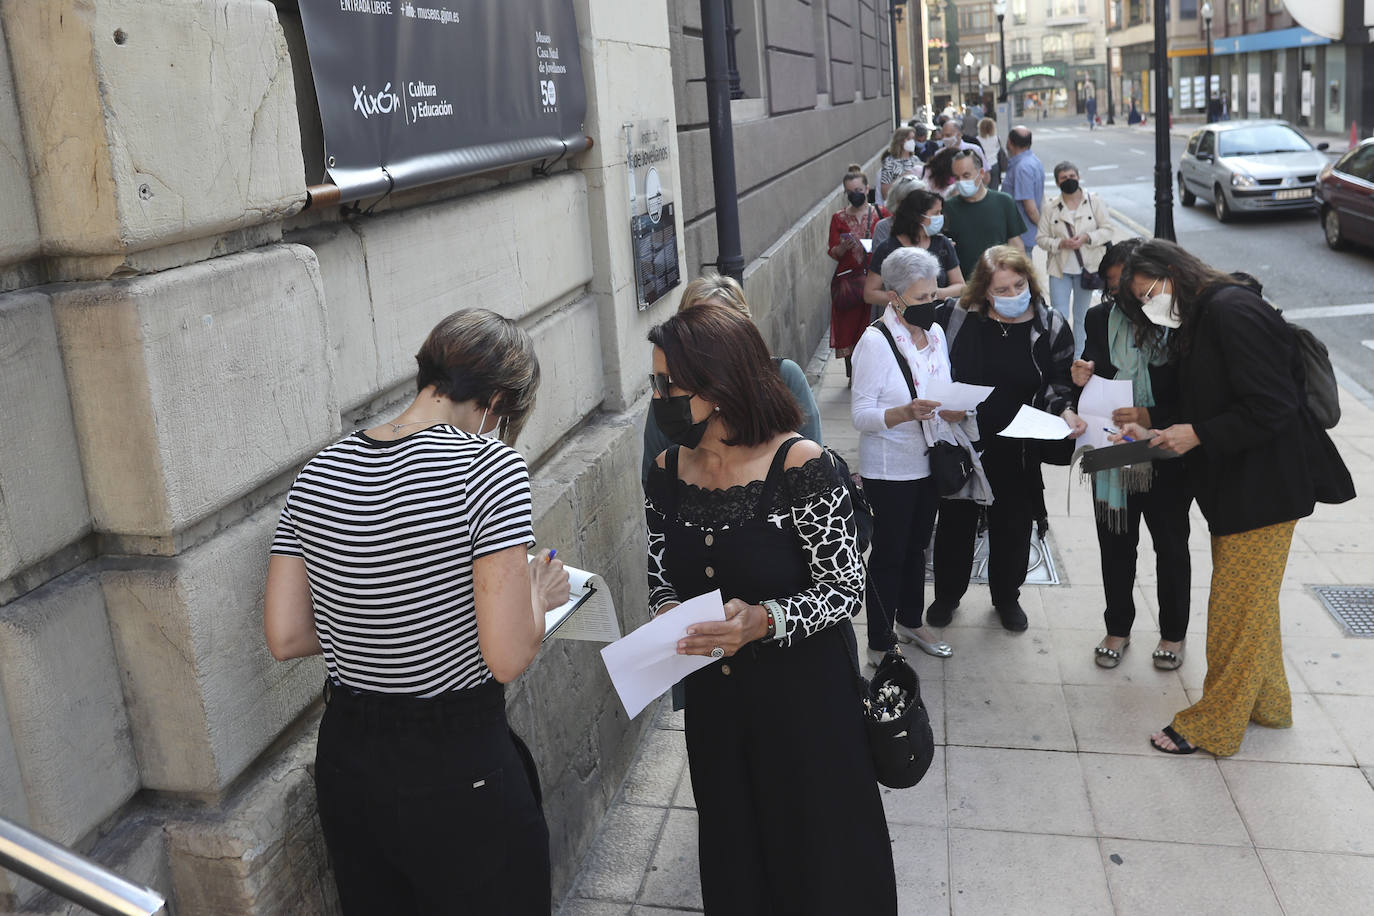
(1287, 252)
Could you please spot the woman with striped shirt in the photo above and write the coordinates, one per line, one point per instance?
(401, 555)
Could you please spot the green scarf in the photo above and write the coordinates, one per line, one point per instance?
(1111, 487)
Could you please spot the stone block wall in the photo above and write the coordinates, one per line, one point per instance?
(177, 335)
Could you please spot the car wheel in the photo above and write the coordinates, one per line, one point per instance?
(1220, 205)
(1186, 197)
(1331, 228)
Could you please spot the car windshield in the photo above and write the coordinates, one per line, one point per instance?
(1257, 141)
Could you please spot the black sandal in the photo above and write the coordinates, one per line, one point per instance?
(1181, 744)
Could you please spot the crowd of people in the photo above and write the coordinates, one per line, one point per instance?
(401, 551)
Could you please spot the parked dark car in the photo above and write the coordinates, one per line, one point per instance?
(1243, 166)
(1345, 194)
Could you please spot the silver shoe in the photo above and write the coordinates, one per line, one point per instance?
(939, 649)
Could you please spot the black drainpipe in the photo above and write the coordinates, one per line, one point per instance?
(729, 259)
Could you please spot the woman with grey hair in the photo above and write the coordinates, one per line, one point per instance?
(897, 357)
(401, 556)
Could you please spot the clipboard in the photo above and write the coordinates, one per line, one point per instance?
(588, 614)
(1121, 455)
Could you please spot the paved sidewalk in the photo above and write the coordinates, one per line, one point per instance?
(1044, 796)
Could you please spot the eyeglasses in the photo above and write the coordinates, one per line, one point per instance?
(660, 382)
(933, 297)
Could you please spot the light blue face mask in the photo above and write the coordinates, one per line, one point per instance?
(937, 222)
(967, 187)
(1012, 307)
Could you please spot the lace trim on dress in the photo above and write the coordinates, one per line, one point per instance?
(704, 508)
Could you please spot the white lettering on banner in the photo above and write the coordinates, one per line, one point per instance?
(548, 55)
(375, 7)
(422, 90)
(384, 102)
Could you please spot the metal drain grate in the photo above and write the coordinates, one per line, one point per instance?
(1351, 605)
(1040, 568)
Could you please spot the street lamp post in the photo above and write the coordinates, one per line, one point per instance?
(1000, 8)
(1111, 115)
(1207, 90)
(895, 9)
(968, 68)
(1164, 185)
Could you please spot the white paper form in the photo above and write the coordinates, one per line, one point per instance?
(868, 245)
(955, 395)
(645, 663)
(1030, 423)
(589, 612)
(1100, 397)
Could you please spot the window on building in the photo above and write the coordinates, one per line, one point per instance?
(974, 19)
(1018, 12)
(1083, 46)
(1060, 8)
(1233, 13)
(1020, 51)
(1276, 6)
(1114, 15)
(1187, 9)
(1052, 47)
(1138, 11)
(1252, 7)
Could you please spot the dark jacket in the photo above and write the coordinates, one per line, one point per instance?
(1262, 459)
(1163, 379)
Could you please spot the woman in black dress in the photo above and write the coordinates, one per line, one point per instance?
(915, 224)
(790, 816)
(1002, 334)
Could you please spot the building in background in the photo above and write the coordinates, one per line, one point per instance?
(1131, 30)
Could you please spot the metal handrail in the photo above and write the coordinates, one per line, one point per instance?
(74, 877)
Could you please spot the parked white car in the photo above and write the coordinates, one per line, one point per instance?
(1247, 166)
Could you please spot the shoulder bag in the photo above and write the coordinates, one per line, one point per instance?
(950, 464)
(1088, 279)
(900, 740)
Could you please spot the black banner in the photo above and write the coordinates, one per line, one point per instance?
(417, 91)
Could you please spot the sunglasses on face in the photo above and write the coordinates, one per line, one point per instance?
(660, 383)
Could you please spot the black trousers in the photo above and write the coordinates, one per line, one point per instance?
(903, 515)
(430, 806)
(1164, 507)
(791, 820)
(1016, 486)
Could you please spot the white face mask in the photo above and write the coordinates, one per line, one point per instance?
(494, 433)
(909, 146)
(1160, 308)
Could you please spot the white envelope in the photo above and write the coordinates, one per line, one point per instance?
(645, 663)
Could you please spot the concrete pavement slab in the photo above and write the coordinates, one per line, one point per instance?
(1147, 878)
(988, 790)
(1168, 799)
(994, 873)
(1317, 884)
(1309, 808)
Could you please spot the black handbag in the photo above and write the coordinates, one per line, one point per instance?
(900, 739)
(950, 464)
(1088, 279)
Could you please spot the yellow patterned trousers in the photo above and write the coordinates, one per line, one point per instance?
(1245, 679)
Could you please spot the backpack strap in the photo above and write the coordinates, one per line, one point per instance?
(775, 470)
(956, 321)
(901, 360)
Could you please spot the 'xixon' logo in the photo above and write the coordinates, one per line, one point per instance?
(384, 102)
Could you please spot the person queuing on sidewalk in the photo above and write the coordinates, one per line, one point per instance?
(898, 159)
(925, 146)
(952, 137)
(1001, 333)
(1155, 491)
(894, 438)
(848, 227)
(789, 812)
(724, 290)
(939, 172)
(1024, 182)
(917, 224)
(1256, 460)
(401, 555)
(1074, 230)
(992, 151)
(900, 189)
(977, 219)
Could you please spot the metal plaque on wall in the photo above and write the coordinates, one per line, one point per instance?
(411, 93)
(653, 225)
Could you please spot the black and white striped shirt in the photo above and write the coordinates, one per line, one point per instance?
(389, 532)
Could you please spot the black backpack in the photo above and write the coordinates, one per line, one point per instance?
(1319, 387)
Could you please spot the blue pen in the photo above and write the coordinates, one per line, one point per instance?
(552, 553)
(1123, 436)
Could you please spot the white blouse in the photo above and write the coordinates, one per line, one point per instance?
(898, 453)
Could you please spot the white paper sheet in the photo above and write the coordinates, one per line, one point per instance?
(1030, 423)
(645, 663)
(956, 395)
(588, 614)
(868, 245)
(1100, 397)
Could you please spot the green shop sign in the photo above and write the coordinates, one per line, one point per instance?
(1014, 76)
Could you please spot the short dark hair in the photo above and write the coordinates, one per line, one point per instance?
(1019, 137)
(940, 170)
(912, 211)
(1065, 166)
(965, 154)
(1117, 253)
(718, 354)
(477, 355)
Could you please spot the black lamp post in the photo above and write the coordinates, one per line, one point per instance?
(1000, 8)
(1164, 185)
(1111, 113)
(1212, 113)
(895, 11)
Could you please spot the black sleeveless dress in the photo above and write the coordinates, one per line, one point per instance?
(791, 820)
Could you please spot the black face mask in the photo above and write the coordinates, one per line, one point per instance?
(1069, 186)
(921, 316)
(856, 198)
(674, 419)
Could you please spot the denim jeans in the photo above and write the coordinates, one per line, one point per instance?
(1067, 287)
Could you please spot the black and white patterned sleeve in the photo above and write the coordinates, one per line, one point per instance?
(661, 591)
(824, 519)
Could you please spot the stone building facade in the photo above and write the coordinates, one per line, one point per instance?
(178, 333)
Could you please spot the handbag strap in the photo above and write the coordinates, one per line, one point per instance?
(901, 360)
(775, 470)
